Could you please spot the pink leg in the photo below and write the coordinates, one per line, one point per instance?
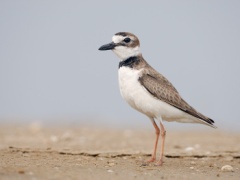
(163, 134)
(153, 158)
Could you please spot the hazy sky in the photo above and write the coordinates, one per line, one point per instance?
(50, 66)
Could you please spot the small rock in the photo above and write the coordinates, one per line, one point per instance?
(227, 168)
(110, 171)
(189, 149)
(111, 164)
(191, 167)
(177, 147)
(25, 155)
(144, 164)
(21, 171)
(211, 165)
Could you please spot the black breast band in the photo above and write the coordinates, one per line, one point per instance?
(129, 62)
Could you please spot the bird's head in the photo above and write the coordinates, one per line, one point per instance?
(124, 45)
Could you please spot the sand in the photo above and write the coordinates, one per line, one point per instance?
(85, 152)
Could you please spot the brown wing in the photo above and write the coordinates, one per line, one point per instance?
(162, 89)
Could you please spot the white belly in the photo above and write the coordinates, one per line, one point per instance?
(140, 99)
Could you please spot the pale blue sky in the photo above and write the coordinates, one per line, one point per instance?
(50, 67)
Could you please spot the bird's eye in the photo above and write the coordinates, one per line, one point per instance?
(127, 40)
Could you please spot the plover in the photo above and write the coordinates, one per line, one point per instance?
(148, 91)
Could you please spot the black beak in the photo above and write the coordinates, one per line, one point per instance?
(109, 46)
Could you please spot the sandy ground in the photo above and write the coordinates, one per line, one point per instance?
(36, 152)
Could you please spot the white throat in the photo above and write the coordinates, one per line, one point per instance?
(124, 52)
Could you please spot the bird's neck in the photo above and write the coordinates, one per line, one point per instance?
(129, 62)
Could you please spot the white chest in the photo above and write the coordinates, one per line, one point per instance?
(140, 99)
(134, 93)
(129, 85)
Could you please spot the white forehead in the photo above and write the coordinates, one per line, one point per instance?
(117, 38)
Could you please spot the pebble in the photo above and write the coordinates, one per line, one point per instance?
(110, 171)
(211, 165)
(227, 168)
(144, 164)
(191, 167)
(21, 171)
(189, 149)
(111, 164)
(25, 155)
(177, 147)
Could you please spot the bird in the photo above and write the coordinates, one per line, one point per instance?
(149, 92)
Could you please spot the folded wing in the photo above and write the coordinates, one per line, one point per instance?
(161, 88)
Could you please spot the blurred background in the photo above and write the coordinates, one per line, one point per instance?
(51, 71)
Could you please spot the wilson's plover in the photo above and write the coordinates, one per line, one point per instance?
(148, 91)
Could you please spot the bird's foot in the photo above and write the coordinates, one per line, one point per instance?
(148, 161)
(151, 160)
(159, 163)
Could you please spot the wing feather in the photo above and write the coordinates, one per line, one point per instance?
(162, 89)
